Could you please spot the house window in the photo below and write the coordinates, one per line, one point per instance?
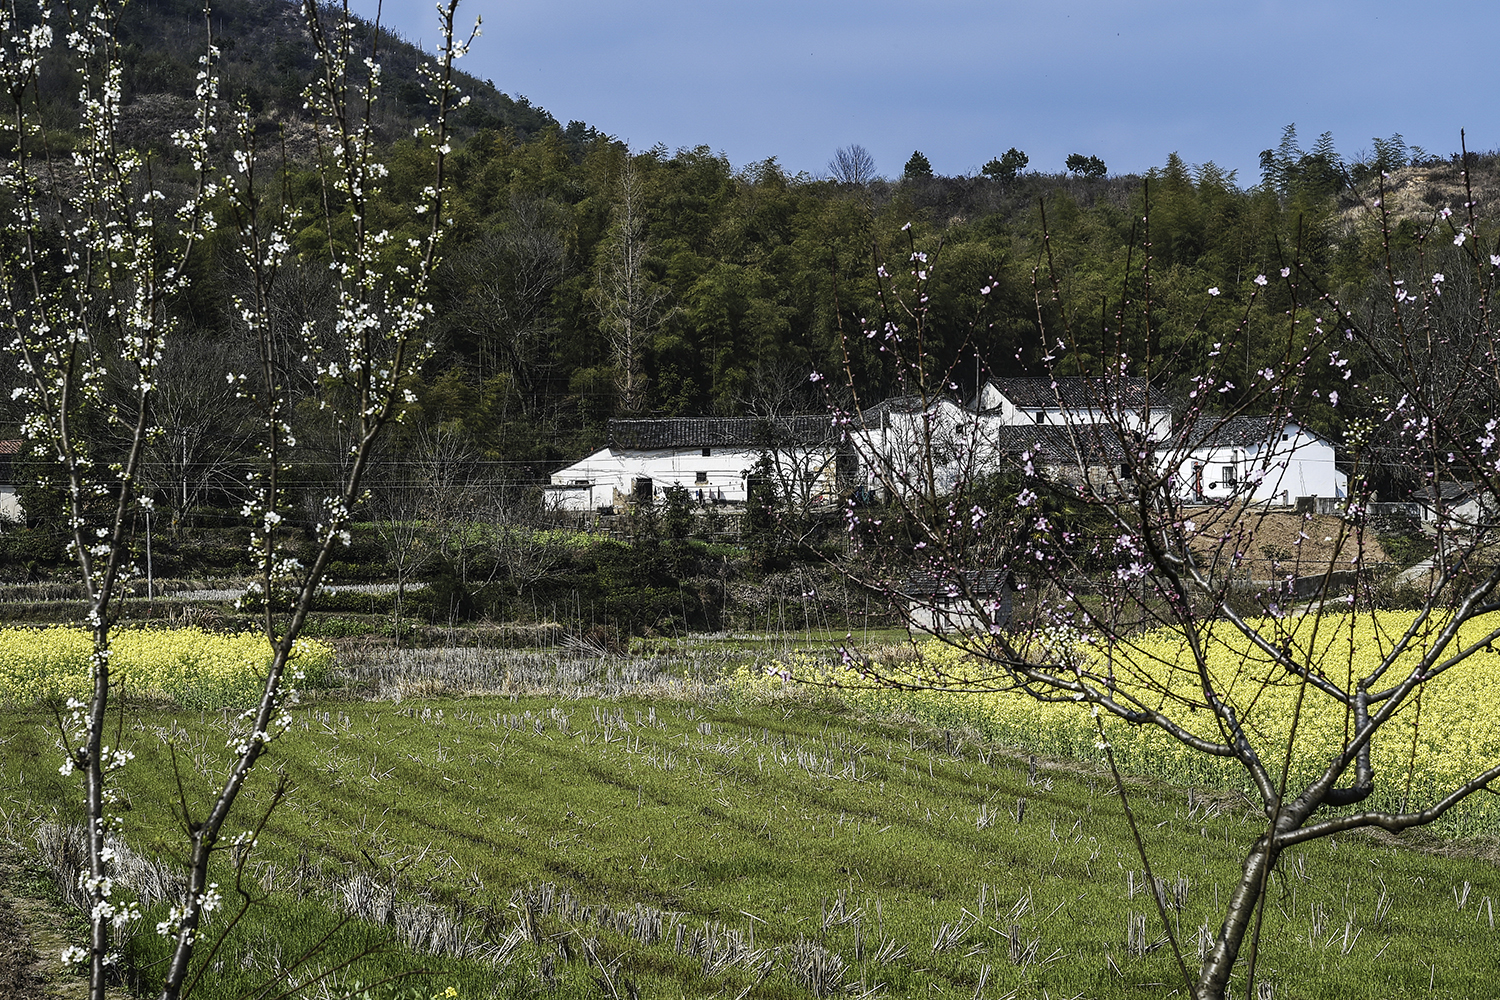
(707, 452)
(702, 477)
(1228, 477)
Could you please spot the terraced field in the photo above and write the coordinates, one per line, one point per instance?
(655, 828)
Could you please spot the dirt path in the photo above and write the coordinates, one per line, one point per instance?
(18, 978)
(34, 930)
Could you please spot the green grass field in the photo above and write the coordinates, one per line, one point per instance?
(706, 843)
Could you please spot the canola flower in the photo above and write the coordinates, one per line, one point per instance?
(1433, 744)
(187, 666)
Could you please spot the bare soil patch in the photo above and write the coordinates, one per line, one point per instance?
(1275, 544)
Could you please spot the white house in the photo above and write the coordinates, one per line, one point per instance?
(1457, 505)
(1255, 459)
(1125, 403)
(902, 441)
(1075, 429)
(711, 457)
(1086, 431)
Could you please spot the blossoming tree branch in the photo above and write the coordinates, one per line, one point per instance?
(103, 240)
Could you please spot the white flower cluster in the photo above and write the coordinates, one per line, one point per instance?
(207, 901)
(99, 889)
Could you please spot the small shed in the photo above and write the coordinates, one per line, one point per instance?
(977, 600)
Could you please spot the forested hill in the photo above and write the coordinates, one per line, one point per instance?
(674, 283)
(267, 59)
(585, 281)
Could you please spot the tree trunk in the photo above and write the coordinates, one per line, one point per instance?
(1213, 980)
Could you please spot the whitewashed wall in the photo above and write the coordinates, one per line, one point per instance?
(1297, 463)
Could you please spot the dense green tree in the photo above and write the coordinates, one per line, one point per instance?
(1087, 166)
(1007, 166)
(583, 281)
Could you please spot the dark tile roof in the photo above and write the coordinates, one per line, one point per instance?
(1078, 392)
(899, 404)
(1449, 492)
(721, 432)
(1054, 444)
(1240, 432)
(977, 582)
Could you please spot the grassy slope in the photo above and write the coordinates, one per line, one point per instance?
(758, 828)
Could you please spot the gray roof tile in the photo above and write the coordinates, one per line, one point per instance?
(721, 432)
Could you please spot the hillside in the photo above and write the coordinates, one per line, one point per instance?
(1413, 195)
(267, 60)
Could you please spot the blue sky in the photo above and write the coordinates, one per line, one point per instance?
(963, 80)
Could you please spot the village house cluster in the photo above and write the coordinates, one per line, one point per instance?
(1070, 429)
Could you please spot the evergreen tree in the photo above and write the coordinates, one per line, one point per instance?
(677, 518)
(1006, 167)
(760, 528)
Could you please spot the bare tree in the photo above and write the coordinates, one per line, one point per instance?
(399, 510)
(205, 426)
(852, 164)
(799, 445)
(510, 276)
(1438, 335)
(426, 508)
(100, 252)
(1139, 611)
(631, 306)
(521, 538)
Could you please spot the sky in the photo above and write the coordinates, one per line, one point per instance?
(1129, 81)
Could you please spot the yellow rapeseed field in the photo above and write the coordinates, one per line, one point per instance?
(186, 666)
(1436, 741)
